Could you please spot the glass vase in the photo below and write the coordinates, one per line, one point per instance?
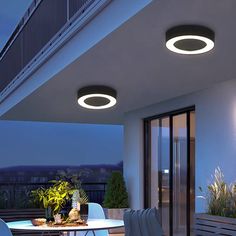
(48, 214)
(84, 212)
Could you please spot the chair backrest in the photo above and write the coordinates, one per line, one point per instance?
(142, 223)
(4, 230)
(95, 211)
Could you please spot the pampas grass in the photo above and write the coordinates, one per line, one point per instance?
(221, 198)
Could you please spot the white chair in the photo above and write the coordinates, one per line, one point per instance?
(4, 230)
(95, 211)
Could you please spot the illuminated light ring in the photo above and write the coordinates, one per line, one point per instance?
(81, 101)
(97, 92)
(170, 44)
(194, 32)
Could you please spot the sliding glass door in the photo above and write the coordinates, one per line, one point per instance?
(169, 169)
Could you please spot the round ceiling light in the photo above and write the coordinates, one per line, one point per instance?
(96, 97)
(190, 39)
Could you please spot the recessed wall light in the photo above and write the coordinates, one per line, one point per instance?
(96, 97)
(190, 39)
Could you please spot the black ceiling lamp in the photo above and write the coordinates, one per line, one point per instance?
(96, 97)
(190, 39)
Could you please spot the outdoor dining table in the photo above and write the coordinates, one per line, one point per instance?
(92, 225)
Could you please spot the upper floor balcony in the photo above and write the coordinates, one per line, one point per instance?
(40, 28)
(61, 45)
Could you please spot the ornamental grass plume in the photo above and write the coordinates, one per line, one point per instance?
(221, 198)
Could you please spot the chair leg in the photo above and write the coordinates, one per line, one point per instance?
(92, 232)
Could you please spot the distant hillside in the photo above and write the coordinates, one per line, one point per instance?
(33, 174)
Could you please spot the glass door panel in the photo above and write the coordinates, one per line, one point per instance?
(170, 170)
(179, 174)
(192, 171)
(154, 163)
(160, 163)
(164, 183)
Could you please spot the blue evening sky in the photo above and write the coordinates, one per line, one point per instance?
(34, 143)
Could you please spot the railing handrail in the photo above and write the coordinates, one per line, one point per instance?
(48, 183)
(17, 194)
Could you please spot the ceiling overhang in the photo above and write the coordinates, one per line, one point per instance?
(135, 62)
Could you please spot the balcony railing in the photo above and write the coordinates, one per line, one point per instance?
(43, 21)
(17, 195)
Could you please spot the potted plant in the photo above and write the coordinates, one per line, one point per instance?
(221, 208)
(54, 198)
(116, 198)
(79, 195)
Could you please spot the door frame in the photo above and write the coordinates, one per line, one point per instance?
(147, 161)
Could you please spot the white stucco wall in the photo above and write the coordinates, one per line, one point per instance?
(215, 138)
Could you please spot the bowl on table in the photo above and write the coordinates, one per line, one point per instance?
(38, 221)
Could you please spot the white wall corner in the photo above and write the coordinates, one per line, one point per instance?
(133, 161)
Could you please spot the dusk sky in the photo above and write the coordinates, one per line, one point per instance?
(34, 143)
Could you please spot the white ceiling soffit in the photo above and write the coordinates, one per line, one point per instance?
(134, 60)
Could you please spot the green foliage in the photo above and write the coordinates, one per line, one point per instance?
(73, 177)
(55, 196)
(116, 195)
(83, 197)
(221, 198)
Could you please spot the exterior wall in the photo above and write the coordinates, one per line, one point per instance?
(215, 138)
